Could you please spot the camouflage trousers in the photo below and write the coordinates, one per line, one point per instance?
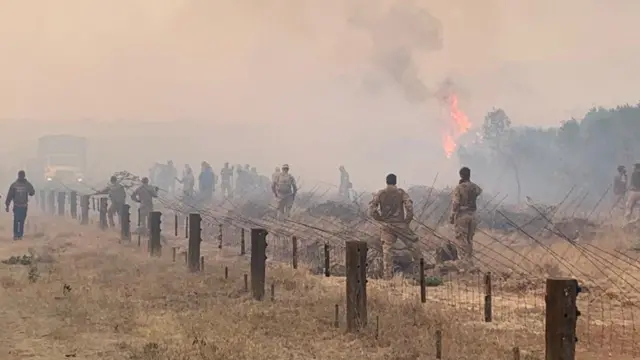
(226, 190)
(390, 233)
(465, 229)
(632, 200)
(114, 209)
(285, 203)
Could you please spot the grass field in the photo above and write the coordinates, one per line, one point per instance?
(87, 296)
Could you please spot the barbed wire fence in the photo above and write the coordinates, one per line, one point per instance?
(504, 288)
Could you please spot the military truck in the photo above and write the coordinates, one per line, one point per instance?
(61, 162)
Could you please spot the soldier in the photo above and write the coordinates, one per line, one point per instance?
(117, 196)
(393, 208)
(463, 210)
(188, 182)
(255, 178)
(170, 174)
(242, 181)
(19, 193)
(275, 174)
(634, 191)
(284, 188)
(345, 184)
(619, 188)
(144, 195)
(225, 177)
(206, 182)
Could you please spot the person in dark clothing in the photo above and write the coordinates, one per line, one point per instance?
(19, 193)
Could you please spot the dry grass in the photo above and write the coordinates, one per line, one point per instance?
(125, 305)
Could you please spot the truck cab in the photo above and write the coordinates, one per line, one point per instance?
(62, 160)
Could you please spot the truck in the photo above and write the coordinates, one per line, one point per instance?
(60, 163)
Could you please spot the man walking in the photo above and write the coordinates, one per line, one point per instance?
(19, 193)
(284, 188)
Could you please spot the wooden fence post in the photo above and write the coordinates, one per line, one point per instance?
(175, 224)
(294, 252)
(561, 318)
(73, 204)
(258, 262)
(84, 209)
(62, 196)
(186, 226)
(195, 238)
(125, 222)
(516, 353)
(140, 229)
(155, 245)
(219, 236)
(103, 213)
(423, 283)
(51, 202)
(488, 312)
(356, 262)
(327, 261)
(242, 243)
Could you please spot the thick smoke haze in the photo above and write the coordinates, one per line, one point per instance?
(315, 84)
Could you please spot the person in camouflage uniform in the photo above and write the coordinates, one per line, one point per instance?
(144, 195)
(275, 174)
(226, 173)
(117, 198)
(634, 191)
(345, 183)
(463, 210)
(284, 189)
(619, 188)
(393, 208)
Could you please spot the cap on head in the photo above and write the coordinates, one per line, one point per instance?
(621, 168)
(145, 180)
(392, 179)
(465, 173)
(21, 174)
(285, 166)
(114, 179)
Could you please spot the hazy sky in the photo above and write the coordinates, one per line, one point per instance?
(299, 81)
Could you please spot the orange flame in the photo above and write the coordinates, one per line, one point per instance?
(458, 125)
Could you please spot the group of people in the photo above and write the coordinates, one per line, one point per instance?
(391, 207)
(626, 190)
(246, 180)
(143, 195)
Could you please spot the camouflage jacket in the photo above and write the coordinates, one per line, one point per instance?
(464, 198)
(392, 205)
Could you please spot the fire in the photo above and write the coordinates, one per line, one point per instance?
(458, 125)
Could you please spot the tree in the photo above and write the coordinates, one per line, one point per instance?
(499, 135)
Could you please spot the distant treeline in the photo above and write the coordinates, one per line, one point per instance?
(545, 163)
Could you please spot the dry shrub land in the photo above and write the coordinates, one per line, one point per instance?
(76, 292)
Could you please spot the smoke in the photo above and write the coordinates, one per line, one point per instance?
(310, 83)
(399, 33)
